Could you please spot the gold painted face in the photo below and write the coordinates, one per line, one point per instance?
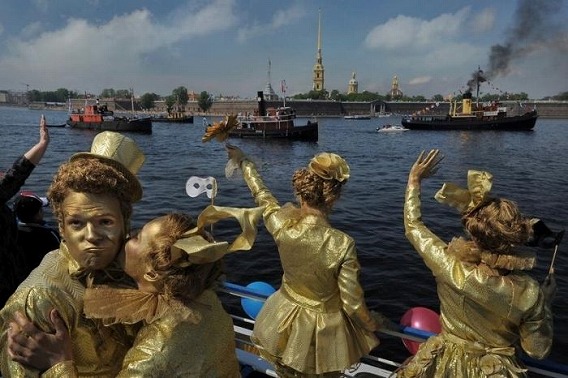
(135, 261)
(93, 228)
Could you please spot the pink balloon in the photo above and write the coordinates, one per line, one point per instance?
(421, 318)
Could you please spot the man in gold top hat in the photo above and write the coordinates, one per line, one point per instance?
(91, 196)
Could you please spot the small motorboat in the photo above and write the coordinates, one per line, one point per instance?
(391, 129)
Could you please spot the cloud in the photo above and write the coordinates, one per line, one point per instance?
(483, 21)
(420, 80)
(83, 53)
(403, 32)
(280, 19)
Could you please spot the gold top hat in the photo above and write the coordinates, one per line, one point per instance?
(122, 153)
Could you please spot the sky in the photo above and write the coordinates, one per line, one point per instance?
(234, 47)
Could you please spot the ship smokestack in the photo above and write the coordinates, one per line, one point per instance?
(261, 103)
(466, 103)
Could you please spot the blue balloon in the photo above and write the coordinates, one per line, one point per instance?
(252, 306)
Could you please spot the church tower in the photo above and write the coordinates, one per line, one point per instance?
(395, 92)
(353, 86)
(269, 93)
(318, 78)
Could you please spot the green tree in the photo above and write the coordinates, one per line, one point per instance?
(108, 93)
(181, 96)
(205, 101)
(123, 93)
(438, 97)
(147, 100)
(170, 102)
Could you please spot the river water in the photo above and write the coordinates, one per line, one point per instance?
(529, 167)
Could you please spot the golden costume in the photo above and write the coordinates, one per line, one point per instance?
(59, 283)
(483, 314)
(175, 340)
(317, 321)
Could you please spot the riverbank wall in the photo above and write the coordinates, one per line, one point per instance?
(319, 108)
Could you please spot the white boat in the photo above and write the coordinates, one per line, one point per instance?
(391, 129)
(369, 366)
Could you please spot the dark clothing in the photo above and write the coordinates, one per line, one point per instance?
(35, 240)
(11, 267)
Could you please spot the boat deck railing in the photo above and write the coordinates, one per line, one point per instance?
(544, 367)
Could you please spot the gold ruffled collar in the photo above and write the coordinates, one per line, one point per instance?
(129, 306)
(467, 251)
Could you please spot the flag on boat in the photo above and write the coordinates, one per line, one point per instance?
(198, 185)
(283, 86)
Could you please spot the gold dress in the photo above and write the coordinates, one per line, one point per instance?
(317, 321)
(57, 283)
(483, 314)
(174, 340)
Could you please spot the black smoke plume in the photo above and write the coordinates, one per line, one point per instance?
(533, 28)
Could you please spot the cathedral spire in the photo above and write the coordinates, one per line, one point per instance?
(318, 77)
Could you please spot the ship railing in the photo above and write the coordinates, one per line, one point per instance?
(544, 367)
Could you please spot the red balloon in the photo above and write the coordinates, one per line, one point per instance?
(421, 318)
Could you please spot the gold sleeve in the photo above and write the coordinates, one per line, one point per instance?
(261, 194)
(430, 247)
(537, 330)
(62, 369)
(351, 292)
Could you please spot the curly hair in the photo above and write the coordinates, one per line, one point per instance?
(182, 283)
(315, 191)
(86, 175)
(497, 226)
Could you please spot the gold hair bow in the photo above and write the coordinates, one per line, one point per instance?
(329, 166)
(199, 250)
(466, 200)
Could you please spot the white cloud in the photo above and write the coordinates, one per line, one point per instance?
(420, 80)
(403, 32)
(484, 20)
(280, 19)
(31, 30)
(85, 53)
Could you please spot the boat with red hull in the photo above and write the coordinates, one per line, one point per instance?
(95, 117)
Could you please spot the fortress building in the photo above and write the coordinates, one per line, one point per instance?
(318, 78)
(353, 86)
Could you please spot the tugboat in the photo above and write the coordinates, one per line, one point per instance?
(274, 123)
(470, 116)
(95, 117)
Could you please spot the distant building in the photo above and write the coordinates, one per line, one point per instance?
(395, 92)
(353, 86)
(318, 78)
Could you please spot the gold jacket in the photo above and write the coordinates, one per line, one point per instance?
(317, 321)
(483, 314)
(57, 283)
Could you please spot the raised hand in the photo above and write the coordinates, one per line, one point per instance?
(425, 166)
(235, 153)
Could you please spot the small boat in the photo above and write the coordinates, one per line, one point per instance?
(56, 125)
(391, 129)
(473, 116)
(174, 117)
(95, 117)
(274, 123)
(357, 116)
(384, 115)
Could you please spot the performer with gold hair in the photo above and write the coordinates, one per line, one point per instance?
(317, 323)
(185, 330)
(488, 304)
(91, 196)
